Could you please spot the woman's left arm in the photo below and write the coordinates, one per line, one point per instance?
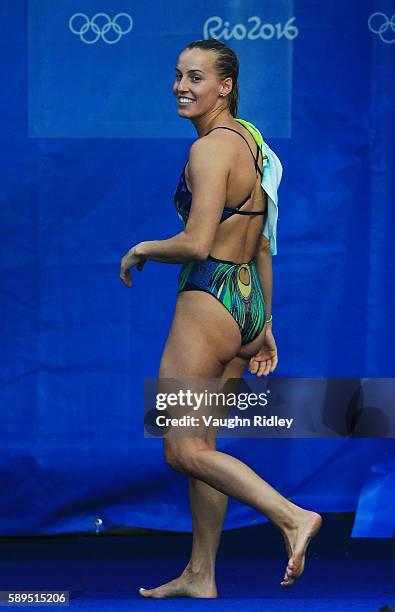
(177, 249)
(209, 166)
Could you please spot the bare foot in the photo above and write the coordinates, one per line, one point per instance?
(296, 541)
(186, 585)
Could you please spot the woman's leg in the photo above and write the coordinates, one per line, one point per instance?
(199, 348)
(208, 505)
(208, 509)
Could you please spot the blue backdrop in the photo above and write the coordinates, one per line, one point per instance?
(91, 151)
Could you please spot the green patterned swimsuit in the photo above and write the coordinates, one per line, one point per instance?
(236, 286)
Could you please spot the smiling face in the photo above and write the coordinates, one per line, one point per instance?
(197, 86)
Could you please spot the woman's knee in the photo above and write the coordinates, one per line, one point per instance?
(181, 455)
(171, 455)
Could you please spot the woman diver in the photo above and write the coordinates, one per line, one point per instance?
(225, 248)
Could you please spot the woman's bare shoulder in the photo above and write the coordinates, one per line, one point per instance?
(209, 152)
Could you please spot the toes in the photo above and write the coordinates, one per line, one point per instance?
(290, 570)
(288, 579)
(290, 574)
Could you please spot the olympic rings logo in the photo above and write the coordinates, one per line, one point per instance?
(379, 24)
(100, 31)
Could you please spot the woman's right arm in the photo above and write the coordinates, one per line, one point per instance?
(265, 271)
(265, 360)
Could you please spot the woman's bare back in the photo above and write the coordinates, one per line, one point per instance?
(236, 239)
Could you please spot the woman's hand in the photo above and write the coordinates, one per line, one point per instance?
(127, 262)
(265, 360)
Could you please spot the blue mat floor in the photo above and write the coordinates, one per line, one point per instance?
(104, 572)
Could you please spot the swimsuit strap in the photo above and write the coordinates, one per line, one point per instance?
(236, 210)
(224, 127)
(242, 212)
